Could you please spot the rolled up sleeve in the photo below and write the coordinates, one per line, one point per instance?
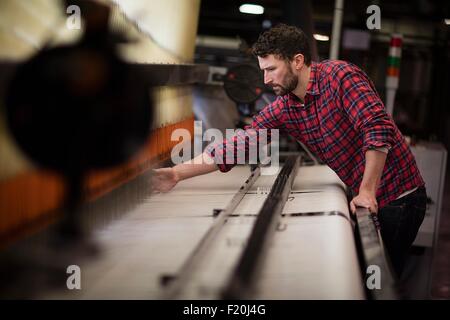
(366, 111)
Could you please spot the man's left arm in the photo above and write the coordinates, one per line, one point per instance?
(367, 113)
(375, 160)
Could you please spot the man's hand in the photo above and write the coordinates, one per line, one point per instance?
(164, 179)
(365, 200)
(375, 160)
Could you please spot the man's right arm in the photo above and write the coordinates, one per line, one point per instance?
(201, 164)
(214, 158)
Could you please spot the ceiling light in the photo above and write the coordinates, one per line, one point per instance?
(251, 9)
(321, 37)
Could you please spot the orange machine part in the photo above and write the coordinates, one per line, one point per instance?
(30, 201)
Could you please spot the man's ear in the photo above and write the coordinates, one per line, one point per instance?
(299, 61)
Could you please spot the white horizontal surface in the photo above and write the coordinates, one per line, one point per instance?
(313, 258)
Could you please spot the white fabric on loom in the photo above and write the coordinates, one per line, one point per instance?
(313, 258)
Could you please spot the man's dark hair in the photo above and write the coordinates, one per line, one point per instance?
(283, 41)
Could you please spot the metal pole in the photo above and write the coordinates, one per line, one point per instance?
(336, 32)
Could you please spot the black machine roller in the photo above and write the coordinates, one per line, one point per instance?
(244, 85)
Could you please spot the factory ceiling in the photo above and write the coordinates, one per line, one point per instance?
(222, 18)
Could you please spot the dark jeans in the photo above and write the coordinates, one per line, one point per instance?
(399, 222)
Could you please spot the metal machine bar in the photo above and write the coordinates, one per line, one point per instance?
(375, 255)
(239, 284)
(172, 74)
(154, 73)
(202, 248)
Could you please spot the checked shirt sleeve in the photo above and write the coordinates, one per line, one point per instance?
(244, 144)
(365, 109)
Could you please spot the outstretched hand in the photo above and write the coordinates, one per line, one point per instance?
(164, 179)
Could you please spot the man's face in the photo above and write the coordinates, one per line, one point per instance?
(278, 74)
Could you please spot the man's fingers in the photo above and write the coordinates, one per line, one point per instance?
(364, 201)
(160, 171)
(352, 207)
(354, 204)
(155, 188)
(371, 207)
(157, 173)
(162, 180)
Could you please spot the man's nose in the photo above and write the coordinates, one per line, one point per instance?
(267, 79)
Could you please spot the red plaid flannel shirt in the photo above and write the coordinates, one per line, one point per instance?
(341, 118)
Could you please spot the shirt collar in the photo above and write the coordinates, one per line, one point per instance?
(313, 84)
(311, 89)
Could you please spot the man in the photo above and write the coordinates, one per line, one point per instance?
(333, 108)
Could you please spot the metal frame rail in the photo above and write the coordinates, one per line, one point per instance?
(374, 255)
(239, 285)
(176, 285)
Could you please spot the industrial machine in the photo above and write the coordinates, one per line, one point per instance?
(241, 235)
(236, 235)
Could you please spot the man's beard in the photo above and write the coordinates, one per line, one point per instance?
(291, 84)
